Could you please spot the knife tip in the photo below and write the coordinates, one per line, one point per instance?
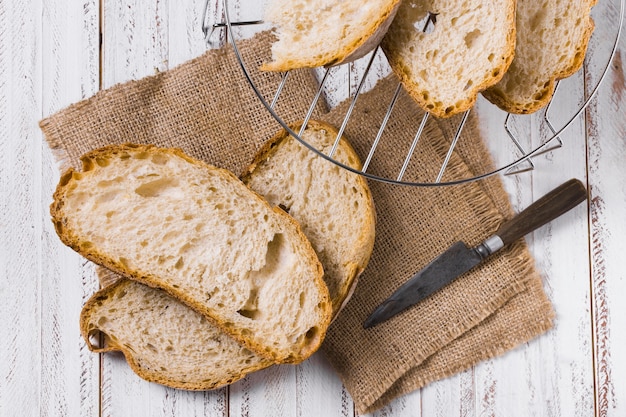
(370, 322)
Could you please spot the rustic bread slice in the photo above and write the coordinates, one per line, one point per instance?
(466, 48)
(315, 33)
(552, 38)
(164, 219)
(333, 205)
(163, 340)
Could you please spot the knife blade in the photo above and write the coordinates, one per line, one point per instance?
(459, 258)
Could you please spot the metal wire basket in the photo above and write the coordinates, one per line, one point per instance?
(231, 21)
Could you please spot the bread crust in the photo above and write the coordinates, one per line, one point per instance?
(147, 374)
(366, 236)
(69, 238)
(372, 33)
(498, 96)
(427, 100)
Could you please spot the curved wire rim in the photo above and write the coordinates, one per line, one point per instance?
(526, 157)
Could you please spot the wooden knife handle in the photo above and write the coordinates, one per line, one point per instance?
(558, 201)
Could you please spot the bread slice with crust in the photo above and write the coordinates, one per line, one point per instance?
(315, 33)
(163, 340)
(333, 205)
(164, 219)
(552, 39)
(466, 47)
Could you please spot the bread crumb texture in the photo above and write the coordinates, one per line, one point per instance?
(333, 205)
(446, 51)
(163, 340)
(196, 231)
(314, 33)
(552, 39)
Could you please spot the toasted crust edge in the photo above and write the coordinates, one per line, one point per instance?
(69, 239)
(366, 239)
(373, 34)
(399, 68)
(499, 98)
(146, 374)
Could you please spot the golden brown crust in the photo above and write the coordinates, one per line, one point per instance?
(147, 374)
(373, 32)
(90, 252)
(426, 100)
(365, 244)
(541, 98)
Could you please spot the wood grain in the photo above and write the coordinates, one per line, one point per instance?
(54, 53)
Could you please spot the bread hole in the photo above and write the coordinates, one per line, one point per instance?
(76, 176)
(249, 308)
(144, 243)
(107, 196)
(124, 155)
(302, 299)
(496, 72)
(110, 214)
(188, 217)
(88, 164)
(449, 109)
(141, 155)
(312, 333)
(65, 178)
(96, 339)
(470, 38)
(468, 85)
(103, 162)
(537, 20)
(152, 347)
(158, 188)
(102, 320)
(159, 159)
(86, 245)
(179, 263)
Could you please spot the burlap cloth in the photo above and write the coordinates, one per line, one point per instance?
(206, 107)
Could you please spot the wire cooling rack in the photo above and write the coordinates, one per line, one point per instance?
(602, 48)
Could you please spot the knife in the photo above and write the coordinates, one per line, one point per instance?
(459, 258)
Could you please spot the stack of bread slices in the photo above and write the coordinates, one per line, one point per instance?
(216, 279)
(445, 52)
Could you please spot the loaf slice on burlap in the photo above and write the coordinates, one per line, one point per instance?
(552, 38)
(333, 205)
(163, 340)
(315, 33)
(446, 61)
(164, 219)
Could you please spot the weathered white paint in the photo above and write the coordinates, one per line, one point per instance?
(50, 56)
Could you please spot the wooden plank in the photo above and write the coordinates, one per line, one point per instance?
(20, 209)
(606, 118)
(70, 373)
(135, 40)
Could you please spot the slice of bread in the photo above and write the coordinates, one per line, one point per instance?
(315, 33)
(162, 218)
(163, 340)
(467, 48)
(333, 205)
(552, 38)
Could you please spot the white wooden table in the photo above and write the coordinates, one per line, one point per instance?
(56, 52)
